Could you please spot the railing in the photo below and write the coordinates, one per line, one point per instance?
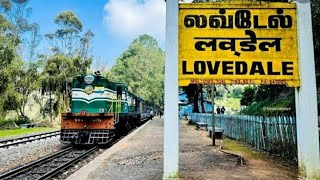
(273, 134)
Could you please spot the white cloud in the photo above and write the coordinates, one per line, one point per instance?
(127, 19)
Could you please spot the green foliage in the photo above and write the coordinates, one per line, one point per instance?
(11, 123)
(69, 22)
(5, 5)
(66, 39)
(58, 70)
(23, 73)
(221, 91)
(141, 67)
(71, 58)
(236, 91)
(25, 81)
(247, 96)
(281, 104)
(7, 124)
(7, 54)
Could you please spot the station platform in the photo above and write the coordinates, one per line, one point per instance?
(140, 156)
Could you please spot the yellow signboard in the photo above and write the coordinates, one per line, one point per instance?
(222, 43)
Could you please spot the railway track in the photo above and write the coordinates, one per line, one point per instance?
(49, 166)
(25, 139)
(52, 165)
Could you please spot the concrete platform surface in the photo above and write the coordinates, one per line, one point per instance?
(139, 156)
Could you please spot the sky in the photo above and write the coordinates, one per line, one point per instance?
(115, 23)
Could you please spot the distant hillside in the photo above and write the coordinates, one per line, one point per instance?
(268, 100)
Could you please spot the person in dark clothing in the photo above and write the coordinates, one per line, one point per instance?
(223, 110)
(218, 110)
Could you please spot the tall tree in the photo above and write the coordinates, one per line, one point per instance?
(141, 67)
(26, 81)
(18, 77)
(192, 91)
(201, 98)
(67, 39)
(71, 56)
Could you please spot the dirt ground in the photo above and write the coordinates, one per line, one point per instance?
(141, 157)
(200, 160)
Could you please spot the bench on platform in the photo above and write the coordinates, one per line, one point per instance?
(218, 132)
(29, 125)
(200, 125)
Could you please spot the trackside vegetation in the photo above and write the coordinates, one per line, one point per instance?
(35, 84)
(24, 131)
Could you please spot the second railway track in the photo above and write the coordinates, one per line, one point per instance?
(49, 166)
(25, 139)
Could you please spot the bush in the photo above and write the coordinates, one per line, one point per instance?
(8, 124)
(19, 121)
(12, 123)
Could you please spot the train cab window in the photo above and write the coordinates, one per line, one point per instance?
(126, 92)
(119, 91)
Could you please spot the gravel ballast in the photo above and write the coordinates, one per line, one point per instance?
(14, 156)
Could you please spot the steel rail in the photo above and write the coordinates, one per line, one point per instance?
(28, 166)
(11, 142)
(47, 167)
(67, 164)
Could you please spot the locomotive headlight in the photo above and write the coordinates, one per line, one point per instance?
(101, 110)
(68, 110)
(83, 113)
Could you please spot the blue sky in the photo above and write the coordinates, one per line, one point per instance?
(115, 23)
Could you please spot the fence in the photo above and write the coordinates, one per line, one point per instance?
(273, 134)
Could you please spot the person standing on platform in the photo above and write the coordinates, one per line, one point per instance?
(223, 110)
(218, 110)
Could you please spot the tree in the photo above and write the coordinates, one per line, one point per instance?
(58, 70)
(18, 77)
(141, 67)
(192, 92)
(71, 57)
(201, 98)
(247, 96)
(26, 81)
(33, 42)
(67, 40)
(237, 91)
(7, 53)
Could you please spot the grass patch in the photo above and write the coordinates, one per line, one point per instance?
(26, 131)
(240, 148)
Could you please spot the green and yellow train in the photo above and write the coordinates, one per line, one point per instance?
(101, 110)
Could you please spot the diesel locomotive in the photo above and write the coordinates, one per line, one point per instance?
(100, 110)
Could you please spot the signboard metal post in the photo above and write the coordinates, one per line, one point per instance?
(306, 98)
(213, 118)
(171, 121)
